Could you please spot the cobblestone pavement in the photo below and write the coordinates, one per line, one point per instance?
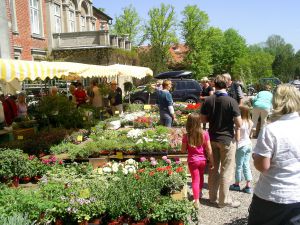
(211, 215)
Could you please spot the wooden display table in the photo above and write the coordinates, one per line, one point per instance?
(21, 134)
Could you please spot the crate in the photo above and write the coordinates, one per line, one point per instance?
(21, 134)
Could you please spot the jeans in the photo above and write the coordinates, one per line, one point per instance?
(219, 181)
(197, 172)
(242, 159)
(165, 118)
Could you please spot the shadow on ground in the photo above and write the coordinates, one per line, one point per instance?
(238, 221)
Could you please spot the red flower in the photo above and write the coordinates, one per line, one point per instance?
(179, 170)
(141, 170)
(137, 176)
(151, 173)
(170, 172)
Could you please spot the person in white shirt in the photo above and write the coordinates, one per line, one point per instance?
(243, 153)
(276, 198)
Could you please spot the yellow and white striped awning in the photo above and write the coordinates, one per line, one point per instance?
(21, 70)
(132, 71)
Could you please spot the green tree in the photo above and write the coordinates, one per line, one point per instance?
(128, 23)
(216, 40)
(194, 31)
(234, 47)
(255, 64)
(284, 63)
(160, 32)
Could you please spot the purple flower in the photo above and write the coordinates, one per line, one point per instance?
(153, 162)
(143, 159)
(168, 161)
(177, 159)
(177, 162)
(164, 157)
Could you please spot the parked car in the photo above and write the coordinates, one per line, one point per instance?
(296, 83)
(184, 90)
(175, 75)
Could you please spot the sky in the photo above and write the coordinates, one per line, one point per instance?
(255, 20)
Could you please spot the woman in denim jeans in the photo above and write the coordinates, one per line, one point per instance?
(243, 153)
(165, 103)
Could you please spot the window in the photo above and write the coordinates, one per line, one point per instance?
(102, 26)
(72, 27)
(57, 18)
(82, 24)
(93, 26)
(35, 16)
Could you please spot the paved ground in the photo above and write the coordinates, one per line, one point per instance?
(210, 215)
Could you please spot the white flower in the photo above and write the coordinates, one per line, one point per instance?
(130, 161)
(135, 133)
(125, 171)
(131, 169)
(106, 170)
(99, 171)
(115, 167)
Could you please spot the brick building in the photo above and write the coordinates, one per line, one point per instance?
(35, 28)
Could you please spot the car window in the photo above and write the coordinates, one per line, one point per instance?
(191, 85)
(180, 86)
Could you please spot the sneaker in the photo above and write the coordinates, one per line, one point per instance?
(234, 204)
(234, 187)
(247, 190)
(196, 204)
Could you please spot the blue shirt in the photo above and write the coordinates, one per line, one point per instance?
(164, 99)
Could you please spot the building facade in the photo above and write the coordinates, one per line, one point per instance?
(35, 28)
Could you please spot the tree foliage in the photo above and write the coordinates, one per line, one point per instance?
(160, 32)
(128, 23)
(194, 31)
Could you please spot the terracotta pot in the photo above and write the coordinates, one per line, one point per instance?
(59, 221)
(95, 221)
(176, 223)
(84, 222)
(36, 179)
(15, 181)
(162, 223)
(25, 180)
(104, 152)
(129, 152)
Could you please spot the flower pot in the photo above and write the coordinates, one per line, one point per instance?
(59, 221)
(15, 181)
(84, 222)
(35, 179)
(104, 152)
(96, 221)
(162, 223)
(25, 180)
(179, 222)
(4, 179)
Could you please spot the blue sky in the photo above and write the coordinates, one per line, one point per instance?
(255, 20)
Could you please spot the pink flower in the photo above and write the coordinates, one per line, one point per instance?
(31, 157)
(153, 162)
(177, 162)
(168, 161)
(152, 159)
(143, 159)
(164, 157)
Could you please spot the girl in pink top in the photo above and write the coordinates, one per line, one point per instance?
(197, 143)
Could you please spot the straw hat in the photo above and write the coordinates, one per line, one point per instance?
(204, 79)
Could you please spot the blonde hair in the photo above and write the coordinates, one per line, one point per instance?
(166, 83)
(286, 100)
(194, 130)
(245, 114)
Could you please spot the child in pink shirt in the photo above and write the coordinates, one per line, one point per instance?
(197, 143)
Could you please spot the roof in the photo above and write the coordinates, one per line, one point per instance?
(102, 13)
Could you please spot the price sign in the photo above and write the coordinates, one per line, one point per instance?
(79, 138)
(119, 155)
(147, 107)
(20, 137)
(117, 112)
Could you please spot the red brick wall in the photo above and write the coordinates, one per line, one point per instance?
(24, 38)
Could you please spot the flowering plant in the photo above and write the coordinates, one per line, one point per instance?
(142, 122)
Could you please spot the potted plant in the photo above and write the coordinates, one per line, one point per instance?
(13, 163)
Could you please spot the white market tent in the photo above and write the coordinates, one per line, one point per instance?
(12, 72)
(132, 71)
